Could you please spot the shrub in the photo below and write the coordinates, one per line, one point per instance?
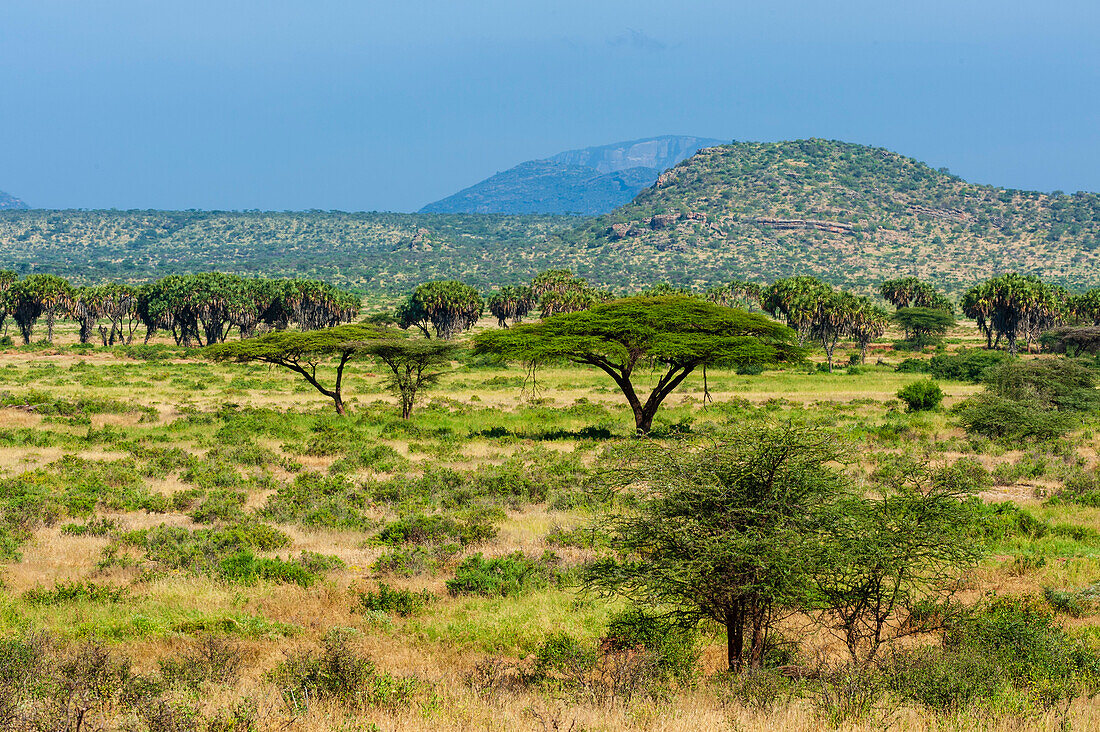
(437, 529)
(996, 417)
(504, 576)
(964, 365)
(213, 659)
(220, 505)
(921, 396)
(314, 500)
(245, 568)
(1085, 601)
(1004, 648)
(675, 648)
(336, 671)
(560, 654)
(65, 592)
(391, 600)
(416, 560)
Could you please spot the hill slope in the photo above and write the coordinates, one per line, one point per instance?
(367, 251)
(851, 213)
(586, 182)
(8, 201)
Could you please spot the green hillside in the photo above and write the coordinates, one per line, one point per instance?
(849, 213)
(364, 251)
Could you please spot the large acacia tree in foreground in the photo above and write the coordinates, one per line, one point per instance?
(676, 334)
(723, 532)
(303, 353)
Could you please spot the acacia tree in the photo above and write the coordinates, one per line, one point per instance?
(923, 326)
(448, 306)
(413, 365)
(909, 543)
(510, 304)
(303, 353)
(725, 532)
(678, 332)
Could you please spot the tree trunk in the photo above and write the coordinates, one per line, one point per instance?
(49, 325)
(756, 651)
(735, 636)
(643, 419)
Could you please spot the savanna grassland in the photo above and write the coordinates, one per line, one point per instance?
(254, 556)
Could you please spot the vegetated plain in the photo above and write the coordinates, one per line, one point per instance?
(248, 550)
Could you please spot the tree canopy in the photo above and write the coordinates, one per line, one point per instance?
(923, 326)
(413, 365)
(303, 353)
(679, 332)
(723, 532)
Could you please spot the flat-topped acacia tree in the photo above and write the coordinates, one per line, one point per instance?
(678, 332)
(303, 352)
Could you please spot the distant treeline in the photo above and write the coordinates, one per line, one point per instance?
(197, 309)
(202, 309)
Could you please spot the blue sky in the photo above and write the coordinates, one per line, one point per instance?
(368, 105)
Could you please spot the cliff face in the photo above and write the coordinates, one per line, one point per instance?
(587, 182)
(8, 201)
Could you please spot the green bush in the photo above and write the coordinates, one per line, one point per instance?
(317, 500)
(391, 600)
(676, 648)
(996, 417)
(245, 568)
(504, 576)
(437, 529)
(964, 365)
(562, 655)
(66, 592)
(416, 560)
(921, 396)
(1007, 651)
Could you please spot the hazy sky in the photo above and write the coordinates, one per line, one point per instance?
(364, 105)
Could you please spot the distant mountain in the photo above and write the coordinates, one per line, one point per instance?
(659, 153)
(587, 182)
(8, 201)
